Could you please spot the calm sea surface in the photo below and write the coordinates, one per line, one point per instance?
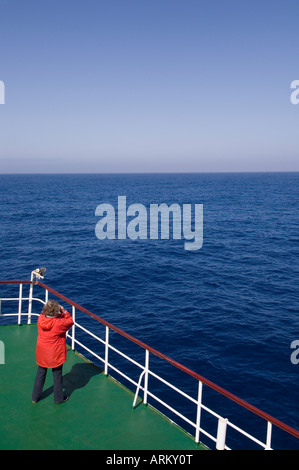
(228, 311)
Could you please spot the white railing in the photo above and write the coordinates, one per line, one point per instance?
(223, 423)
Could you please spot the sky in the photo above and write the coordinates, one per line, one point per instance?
(148, 86)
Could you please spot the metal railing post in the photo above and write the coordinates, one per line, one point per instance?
(106, 350)
(137, 389)
(198, 414)
(269, 436)
(73, 327)
(221, 433)
(146, 366)
(20, 303)
(30, 303)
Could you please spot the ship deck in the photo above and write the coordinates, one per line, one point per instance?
(98, 415)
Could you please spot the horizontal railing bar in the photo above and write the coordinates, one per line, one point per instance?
(186, 419)
(263, 444)
(202, 431)
(110, 346)
(204, 407)
(17, 314)
(125, 356)
(16, 282)
(87, 349)
(89, 332)
(23, 298)
(171, 409)
(103, 360)
(123, 375)
(173, 387)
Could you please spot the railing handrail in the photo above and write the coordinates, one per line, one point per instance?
(176, 364)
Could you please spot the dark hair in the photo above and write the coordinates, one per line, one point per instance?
(51, 309)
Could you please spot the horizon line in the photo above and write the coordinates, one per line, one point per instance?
(147, 172)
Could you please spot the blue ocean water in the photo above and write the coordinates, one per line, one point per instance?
(228, 311)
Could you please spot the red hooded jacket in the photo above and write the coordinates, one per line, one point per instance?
(51, 345)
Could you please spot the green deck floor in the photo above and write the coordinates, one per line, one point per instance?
(98, 415)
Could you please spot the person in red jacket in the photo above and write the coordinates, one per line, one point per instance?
(53, 323)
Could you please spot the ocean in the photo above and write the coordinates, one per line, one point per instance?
(228, 311)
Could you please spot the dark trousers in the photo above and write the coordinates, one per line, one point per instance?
(40, 380)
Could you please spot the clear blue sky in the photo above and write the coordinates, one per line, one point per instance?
(148, 85)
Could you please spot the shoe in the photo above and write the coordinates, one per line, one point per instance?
(64, 400)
